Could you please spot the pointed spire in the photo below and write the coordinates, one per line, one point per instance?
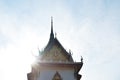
(51, 24)
(51, 34)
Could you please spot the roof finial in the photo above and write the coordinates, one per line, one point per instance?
(81, 59)
(51, 24)
(55, 35)
(52, 34)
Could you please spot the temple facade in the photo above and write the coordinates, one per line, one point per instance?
(55, 63)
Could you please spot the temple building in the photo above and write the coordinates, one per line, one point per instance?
(55, 63)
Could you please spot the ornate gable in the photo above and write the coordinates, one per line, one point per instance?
(55, 54)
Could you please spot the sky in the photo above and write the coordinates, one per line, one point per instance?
(89, 28)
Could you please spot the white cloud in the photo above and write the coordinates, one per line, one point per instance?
(26, 26)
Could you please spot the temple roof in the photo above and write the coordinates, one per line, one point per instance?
(54, 57)
(54, 51)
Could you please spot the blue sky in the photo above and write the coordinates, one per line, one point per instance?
(90, 28)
